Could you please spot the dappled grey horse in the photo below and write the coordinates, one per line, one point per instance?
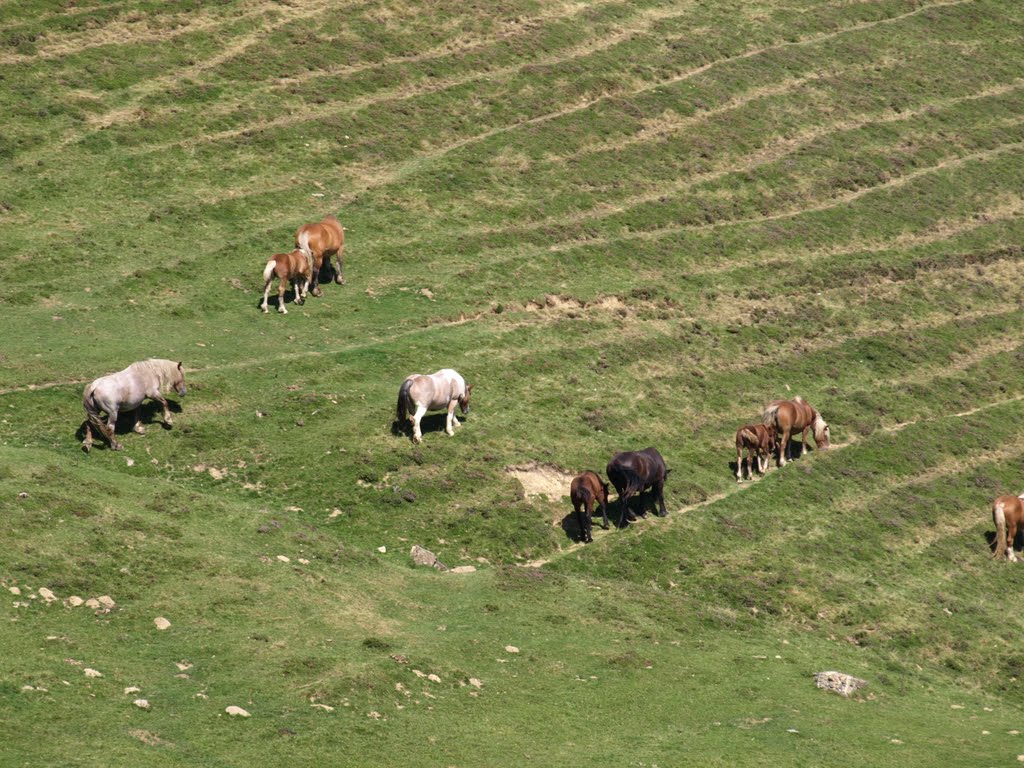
(434, 392)
(125, 390)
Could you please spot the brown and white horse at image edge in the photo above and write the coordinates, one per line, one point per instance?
(796, 415)
(434, 392)
(1008, 515)
(320, 241)
(294, 268)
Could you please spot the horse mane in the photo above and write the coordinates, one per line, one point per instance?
(820, 425)
(159, 367)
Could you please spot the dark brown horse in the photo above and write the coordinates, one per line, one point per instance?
(759, 442)
(584, 491)
(632, 472)
(796, 415)
(288, 268)
(1008, 515)
(320, 241)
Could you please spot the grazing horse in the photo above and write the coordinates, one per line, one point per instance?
(294, 268)
(632, 472)
(789, 416)
(584, 490)
(126, 390)
(321, 241)
(759, 442)
(1008, 515)
(437, 391)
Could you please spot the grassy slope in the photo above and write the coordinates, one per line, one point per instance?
(635, 223)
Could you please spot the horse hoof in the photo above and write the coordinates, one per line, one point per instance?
(316, 292)
(116, 447)
(265, 310)
(86, 447)
(282, 311)
(339, 280)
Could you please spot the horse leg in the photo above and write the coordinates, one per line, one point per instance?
(803, 441)
(297, 290)
(739, 465)
(451, 418)
(1011, 537)
(623, 507)
(282, 286)
(659, 489)
(340, 277)
(111, 429)
(604, 513)
(87, 443)
(783, 446)
(585, 523)
(417, 436)
(167, 411)
(137, 427)
(318, 260)
(266, 294)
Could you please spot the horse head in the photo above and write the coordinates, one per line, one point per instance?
(179, 380)
(821, 433)
(464, 400)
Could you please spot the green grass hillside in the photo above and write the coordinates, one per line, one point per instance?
(627, 224)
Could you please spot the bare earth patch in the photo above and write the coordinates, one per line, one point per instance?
(542, 479)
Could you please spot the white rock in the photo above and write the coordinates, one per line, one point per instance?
(47, 595)
(14, 591)
(464, 569)
(475, 683)
(106, 601)
(74, 601)
(92, 672)
(237, 711)
(161, 622)
(132, 689)
(418, 673)
(324, 707)
(304, 561)
(141, 703)
(183, 665)
(382, 550)
(511, 649)
(434, 678)
(92, 602)
(284, 558)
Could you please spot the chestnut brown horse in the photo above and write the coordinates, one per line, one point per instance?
(1008, 515)
(320, 241)
(759, 442)
(125, 390)
(584, 490)
(796, 415)
(294, 268)
(632, 472)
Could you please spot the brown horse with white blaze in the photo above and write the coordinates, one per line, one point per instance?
(584, 490)
(320, 241)
(1008, 515)
(796, 415)
(759, 442)
(295, 268)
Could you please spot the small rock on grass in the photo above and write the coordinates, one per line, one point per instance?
(511, 649)
(237, 711)
(141, 703)
(161, 622)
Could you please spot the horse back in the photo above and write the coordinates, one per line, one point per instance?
(1013, 507)
(591, 482)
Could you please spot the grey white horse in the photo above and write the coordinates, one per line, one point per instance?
(125, 390)
(434, 392)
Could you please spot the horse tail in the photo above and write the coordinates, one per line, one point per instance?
(749, 435)
(92, 410)
(769, 414)
(268, 271)
(999, 518)
(302, 242)
(404, 400)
